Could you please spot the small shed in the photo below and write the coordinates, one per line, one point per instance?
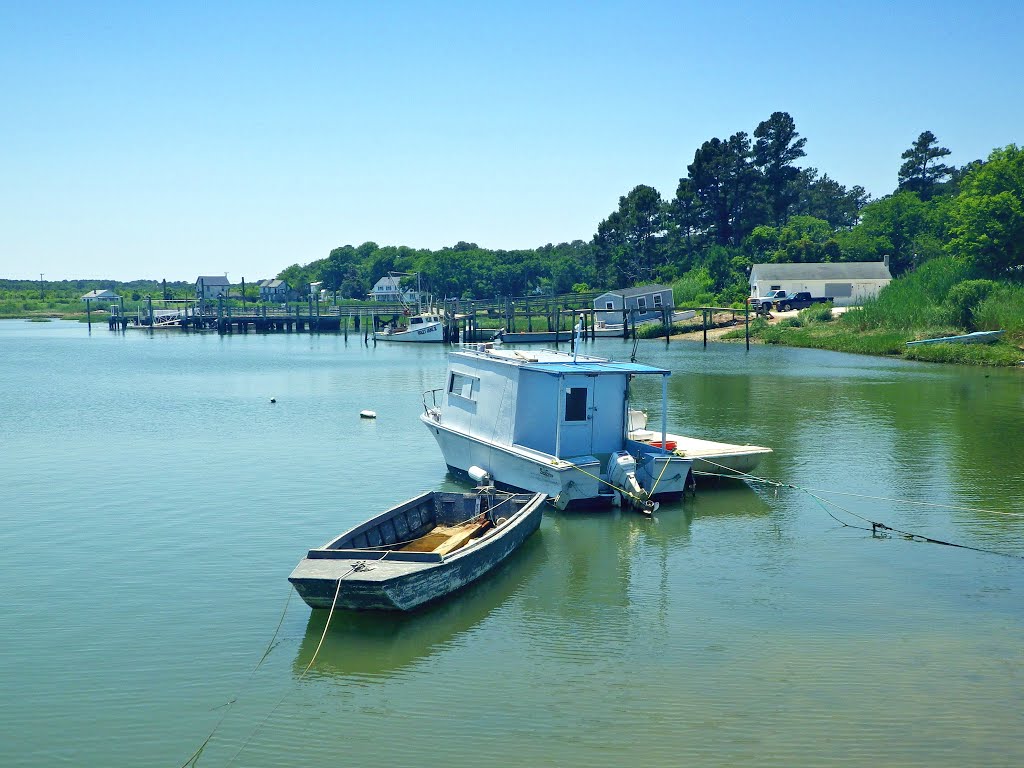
(647, 301)
(849, 282)
(274, 290)
(210, 287)
(101, 295)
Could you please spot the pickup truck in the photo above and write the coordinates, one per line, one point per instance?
(785, 302)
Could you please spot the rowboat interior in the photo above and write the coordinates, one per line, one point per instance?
(427, 528)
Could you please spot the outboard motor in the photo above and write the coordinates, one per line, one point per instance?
(621, 473)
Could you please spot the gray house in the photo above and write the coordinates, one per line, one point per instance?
(208, 287)
(274, 290)
(648, 301)
(849, 282)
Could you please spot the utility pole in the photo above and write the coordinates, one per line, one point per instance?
(40, 285)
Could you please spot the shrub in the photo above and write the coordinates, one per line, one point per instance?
(964, 298)
(816, 313)
(692, 287)
(1003, 308)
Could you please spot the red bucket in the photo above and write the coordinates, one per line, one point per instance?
(670, 445)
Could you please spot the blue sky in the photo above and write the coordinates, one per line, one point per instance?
(166, 140)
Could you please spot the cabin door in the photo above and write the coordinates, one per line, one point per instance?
(576, 416)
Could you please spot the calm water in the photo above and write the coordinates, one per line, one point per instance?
(154, 503)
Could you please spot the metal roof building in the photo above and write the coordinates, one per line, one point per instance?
(849, 282)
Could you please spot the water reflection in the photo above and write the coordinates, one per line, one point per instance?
(378, 644)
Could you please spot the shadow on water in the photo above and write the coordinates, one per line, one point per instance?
(379, 644)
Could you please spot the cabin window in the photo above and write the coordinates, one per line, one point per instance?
(641, 303)
(461, 385)
(609, 305)
(415, 320)
(657, 300)
(576, 404)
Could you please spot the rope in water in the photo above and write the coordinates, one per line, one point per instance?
(334, 603)
(270, 646)
(876, 526)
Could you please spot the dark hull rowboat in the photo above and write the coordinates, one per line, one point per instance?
(418, 552)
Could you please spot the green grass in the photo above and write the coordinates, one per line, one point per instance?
(998, 354)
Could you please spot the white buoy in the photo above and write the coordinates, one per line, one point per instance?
(368, 414)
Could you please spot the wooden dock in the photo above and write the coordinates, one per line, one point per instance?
(524, 320)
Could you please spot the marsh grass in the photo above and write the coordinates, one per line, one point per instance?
(998, 354)
(914, 301)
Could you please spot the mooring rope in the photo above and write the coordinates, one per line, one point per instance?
(663, 468)
(337, 591)
(611, 485)
(270, 646)
(876, 526)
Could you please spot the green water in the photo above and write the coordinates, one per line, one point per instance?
(155, 501)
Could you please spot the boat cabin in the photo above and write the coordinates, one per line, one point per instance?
(514, 398)
(421, 319)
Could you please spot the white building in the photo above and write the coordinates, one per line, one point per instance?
(389, 288)
(101, 295)
(647, 301)
(208, 287)
(850, 282)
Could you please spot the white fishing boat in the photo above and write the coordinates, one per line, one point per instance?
(421, 327)
(709, 457)
(551, 422)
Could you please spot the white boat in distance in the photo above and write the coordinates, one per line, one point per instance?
(423, 327)
(551, 422)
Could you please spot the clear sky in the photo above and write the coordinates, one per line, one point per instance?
(171, 139)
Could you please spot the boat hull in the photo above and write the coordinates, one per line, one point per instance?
(572, 483)
(373, 583)
(428, 333)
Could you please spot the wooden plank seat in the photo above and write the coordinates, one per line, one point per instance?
(444, 538)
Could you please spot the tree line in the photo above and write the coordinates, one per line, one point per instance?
(744, 199)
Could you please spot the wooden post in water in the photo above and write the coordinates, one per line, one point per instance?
(704, 324)
(88, 313)
(220, 315)
(667, 322)
(746, 324)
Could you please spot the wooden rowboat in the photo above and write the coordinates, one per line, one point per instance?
(417, 552)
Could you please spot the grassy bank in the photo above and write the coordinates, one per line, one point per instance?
(939, 299)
